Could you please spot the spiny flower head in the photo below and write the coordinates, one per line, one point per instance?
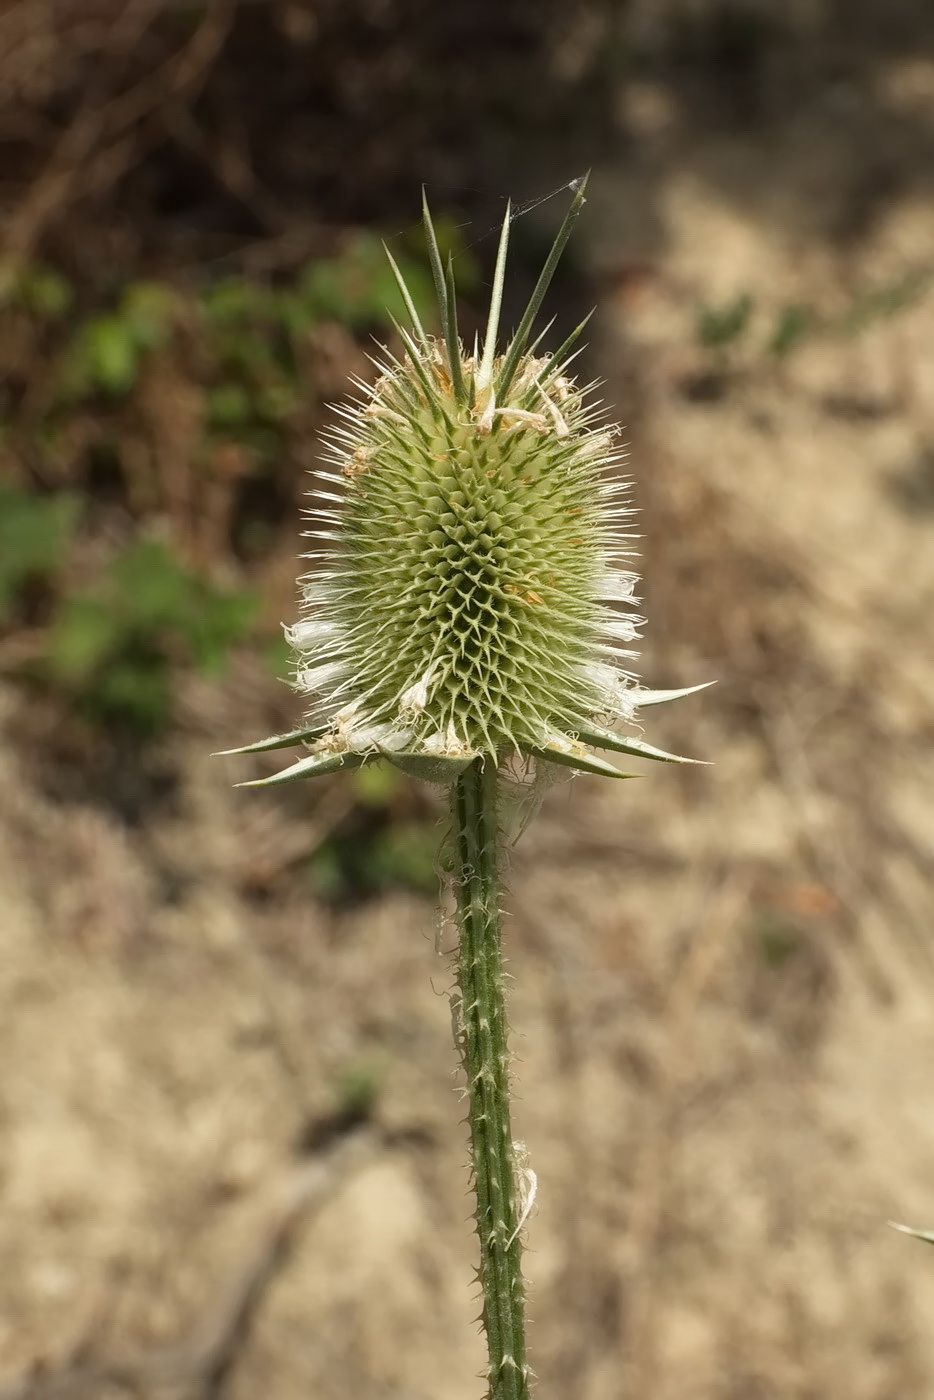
(466, 597)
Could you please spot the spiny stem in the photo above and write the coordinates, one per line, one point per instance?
(482, 1035)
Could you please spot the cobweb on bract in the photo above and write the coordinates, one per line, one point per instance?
(523, 784)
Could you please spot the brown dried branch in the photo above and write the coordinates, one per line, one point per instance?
(97, 134)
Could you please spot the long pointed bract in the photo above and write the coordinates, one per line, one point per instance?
(661, 697)
(599, 738)
(520, 338)
(451, 337)
(558, 361)
(434, 258)
(580, 762)
(314, 767)
(290, 740)
(407, 299)
(485, 373)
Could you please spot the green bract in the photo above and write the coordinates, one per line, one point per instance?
(468, 598)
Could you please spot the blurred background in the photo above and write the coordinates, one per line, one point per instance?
(232, 1155)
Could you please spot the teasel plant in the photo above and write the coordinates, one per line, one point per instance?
(468, 617)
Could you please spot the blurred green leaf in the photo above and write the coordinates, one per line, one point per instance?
(150, 587)
(277, 656)
(718, 325)
(794, 323)
(404, 854)
(885, 301)
(146, 311)
(778, 938)
(86, 630)
(46, 292)
(326, 873)
(216, 622)
(103, 356)
(115, 643)
(134, 690)
(376, 784)
(360, 1083)
(249, 351)
(357, 286)
(35, 533)
(233, 300)
(295, 314)
(229, 406)
(277, 401)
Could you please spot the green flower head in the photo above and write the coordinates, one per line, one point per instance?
(469, 593)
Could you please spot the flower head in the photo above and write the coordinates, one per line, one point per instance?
(469, 594)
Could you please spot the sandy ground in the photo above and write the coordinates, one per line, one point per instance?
(723, 977)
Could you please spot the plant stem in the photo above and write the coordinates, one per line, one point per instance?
(482, 1035)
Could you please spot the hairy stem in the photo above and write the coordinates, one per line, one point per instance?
(482, 1034)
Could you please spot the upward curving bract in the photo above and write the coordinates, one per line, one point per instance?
(469, 594)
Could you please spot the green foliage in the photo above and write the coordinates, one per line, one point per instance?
(405, 855)
(797, 322)
(251, 332)
(720, 325)
(359, 1085)
(376, 784)
(354, 288)
(881, 302)
(35, 534)
(40, 290)
(794, 323)
(255, 333)
(230, 407)
(363, 859)
(146, 309)
(778, 938)
(358, 287)
(114, 645)
(380, 846)
(106, 351)
(103, 356)
(74, 409)
(277, 654)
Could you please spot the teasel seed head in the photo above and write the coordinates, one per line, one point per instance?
(470, 592)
